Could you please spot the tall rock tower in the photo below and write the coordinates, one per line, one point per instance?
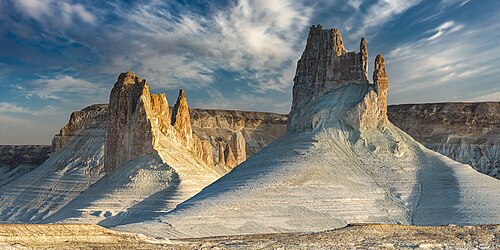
(138, 121)
(129, 134)
(380, 80)
(325, 66)
(181, 120)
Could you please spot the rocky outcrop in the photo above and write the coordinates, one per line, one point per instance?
(382, 83)
(68, 172)
(181, 120)
(221, 127)
(16, 160)
(340, 162)
(138, 121)
(466, 132)
(326, 66)
(129, 133)
(235, 152)
(88, 117)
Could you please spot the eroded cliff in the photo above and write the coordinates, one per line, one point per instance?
(466, 132)
(16, 160)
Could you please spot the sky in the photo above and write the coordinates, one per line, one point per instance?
(58, 56)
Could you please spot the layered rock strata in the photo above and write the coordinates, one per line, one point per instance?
(16, 160)
(88, 117)
(222, 128)
(466, 132)
(68, 172)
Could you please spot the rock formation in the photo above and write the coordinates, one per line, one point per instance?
(466, 132)
(380, 80)
(88, 117)
(16, 160)
(181, 120)
(325, 66)
(340, 162)
(129, 133)
(235, 152)
(76, 165)
(218, 127)
(138, 121)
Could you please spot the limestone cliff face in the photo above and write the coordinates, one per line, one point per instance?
(235, 152)
(466, 132)
(225, 129)
(326, 66)
(129, 132)
(138, 121)
(88, 117)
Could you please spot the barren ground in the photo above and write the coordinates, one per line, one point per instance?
(71, 236)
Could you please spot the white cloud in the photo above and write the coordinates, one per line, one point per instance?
(355, 4)
(445, 28)
(59, 87)
(458, 67)
(495, 96)
(382, 12)
(246, 37)
(54, 12)
(6, 107)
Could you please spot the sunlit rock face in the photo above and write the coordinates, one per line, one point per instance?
(90, 116)
(222, 127)
(137, 120)
(325, 66)
(129, 132)
(380, 80)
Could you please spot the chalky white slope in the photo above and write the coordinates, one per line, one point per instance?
(68, 172)
(341, 162)
(153, 164)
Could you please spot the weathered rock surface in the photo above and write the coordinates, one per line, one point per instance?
(258, 129)
(16, 160)
(235, 152)
(68, 172)
(181, 120)
(90, 116)
(325, 65)
(129, 133)
(380, 80)
(466, 132)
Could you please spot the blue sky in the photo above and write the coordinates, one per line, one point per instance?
(57, 56)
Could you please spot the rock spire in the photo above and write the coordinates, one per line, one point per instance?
(181, 120)
(138, 121)
(363, 51)
(129, 134)
(382, 84)
(325, 66)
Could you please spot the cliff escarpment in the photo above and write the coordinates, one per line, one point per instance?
(466, 132)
